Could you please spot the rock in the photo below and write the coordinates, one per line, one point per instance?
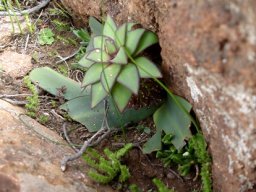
(30, 157)
(209, 57)
(14, 64)
(6, 30)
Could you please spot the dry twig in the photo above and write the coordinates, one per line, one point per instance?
(102, 133)
(27, 11)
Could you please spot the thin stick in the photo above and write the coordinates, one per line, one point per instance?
(27, 11)
(197, 173)
(26, 44)
(15, 95)
(67, 138)
(102, 133)
(62, 59)
(15, 102)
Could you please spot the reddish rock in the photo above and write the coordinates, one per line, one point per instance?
(209, 57)
(14, 64)
(30, 157)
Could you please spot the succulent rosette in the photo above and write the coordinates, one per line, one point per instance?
(115, 64)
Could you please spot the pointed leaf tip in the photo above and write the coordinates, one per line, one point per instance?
(109, 27)
(129, 77)
(109, 75)
(147, 69)
(93, 74)
(121, 96)
(98, 93)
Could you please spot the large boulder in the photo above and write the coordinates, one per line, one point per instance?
(209, 57)
(30, 157)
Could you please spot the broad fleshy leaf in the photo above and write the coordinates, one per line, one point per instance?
(133, 39)
(110, 46)
(129, 115)
(93, 74)
(121, 96)
(172, 120)
(149, 38)
(82, 34)
(109, 27)
(146, 68)
(84, 62)
(79, 109)
(104, 43)
(129, 77)
(97, 55)
(55, 83)
(153, 144)
(96, 26)
(99, 41)
(121, 35)
(121, 57)
(109, 75)
(98, 93)
(90, 45)
(130, 25)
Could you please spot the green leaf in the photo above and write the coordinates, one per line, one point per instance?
(82, 34)
(98, 42)
(110, 46)
(109, 75)
(121, 35)
(46, 36)
(53, 82)
(109, 27)
(153, 144)
(98, 93)
(79, 109)
(93, 74)
(129, 115)
(104, 43)
(149, 38)
(90, 45)
(84, 62)
(146, 68)
(121, 57)
(98, 55)
(96, 26)
(130, 26)
(129, 77)
(121, 96)
(172, 120)
(133, 39)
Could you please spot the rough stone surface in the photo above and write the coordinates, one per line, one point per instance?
(6, 30)
(30, 154)
(15, 64)
(209, 57)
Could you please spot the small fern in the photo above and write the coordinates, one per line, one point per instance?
(32, 106)
(195, 153)
(104, 170)
(198, 143)
(161, 187)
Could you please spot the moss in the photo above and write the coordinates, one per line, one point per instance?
(32, 105)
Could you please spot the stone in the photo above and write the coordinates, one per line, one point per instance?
(15, 64)
(208, 50)
(6, 29)
(30, 157)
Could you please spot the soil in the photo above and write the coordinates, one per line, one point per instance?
(143, 168)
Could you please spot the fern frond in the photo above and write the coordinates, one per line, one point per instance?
(100, 178)
(124, 173)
